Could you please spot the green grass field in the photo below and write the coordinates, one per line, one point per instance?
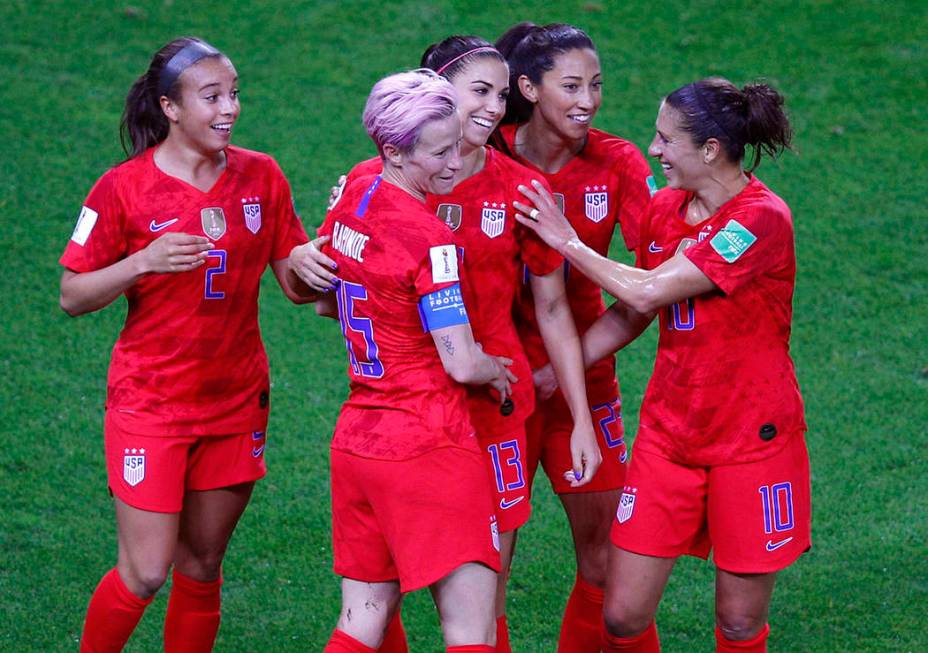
(854, 76)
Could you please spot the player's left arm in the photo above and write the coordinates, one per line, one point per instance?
(559, 333)
(645, 291)
(294, 288)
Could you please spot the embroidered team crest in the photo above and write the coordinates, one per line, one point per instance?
(493, 219)
(559, 199)
(494, 532)
(596, 203)
(251, 207)
(133, 466)
(450, 214)
(626, 504)
(214, 222)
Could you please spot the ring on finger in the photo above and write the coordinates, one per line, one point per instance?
(533, 214)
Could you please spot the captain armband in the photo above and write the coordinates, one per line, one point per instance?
(442, 308)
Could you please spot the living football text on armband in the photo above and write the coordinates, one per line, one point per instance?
(442, 308)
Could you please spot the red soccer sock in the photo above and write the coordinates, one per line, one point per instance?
(757, 644)
(646, 642)
(394, 639)
(471, 648)
(581, 628)
(112, 615)
(502, 635)
(192, 620)
(342, 642)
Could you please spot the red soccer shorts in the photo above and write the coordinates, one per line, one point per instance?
(413, 520)
(755, 517)
(153, 472)
(548, 434)
(505, 457)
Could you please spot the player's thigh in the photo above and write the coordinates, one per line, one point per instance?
(464, 599)
(590, 515)
(634, 586)
(147, 542)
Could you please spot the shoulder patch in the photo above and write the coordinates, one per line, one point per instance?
(652, 185)
(732, 241)
(85, 222)
(444, 263)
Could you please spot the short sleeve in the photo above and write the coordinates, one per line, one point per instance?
(747, 245)
(533, 251)
(289, 231)
(437, 258)
(99, 237)
(635, 186)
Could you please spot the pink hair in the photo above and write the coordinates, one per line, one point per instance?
(400, 105)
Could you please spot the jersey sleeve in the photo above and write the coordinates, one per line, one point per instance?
(533, 251)
(748, 245)
(99, 237)
(438, 264)
(635, 184)
(288, 228)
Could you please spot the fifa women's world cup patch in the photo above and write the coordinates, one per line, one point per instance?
(444, 263)
(626, 504)
(732, 241)
(133, 466)
(596, 203)
(251, 207)
(442, 308)
(493, 219)
(85, 222)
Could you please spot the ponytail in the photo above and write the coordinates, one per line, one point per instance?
(143, 123)
(716, 108)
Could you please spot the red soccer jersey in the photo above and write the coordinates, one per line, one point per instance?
(492, 247)
(604, 186)
(723, 385)
(391, 251)
(189, 360)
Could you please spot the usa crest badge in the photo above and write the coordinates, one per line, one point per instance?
(450, 214)
(213, 221)
(596, 203)
(133, 466)
(251, 207)
(494, 532)
(626, 504)
(493, 219)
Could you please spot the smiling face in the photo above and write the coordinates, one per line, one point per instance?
(681, 160)
(208, 107)
(569, 94)
(482, 87)
(430, 166)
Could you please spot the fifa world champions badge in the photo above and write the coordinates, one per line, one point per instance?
(213, 221)
(133, 466)
(596, 203)
(251, 207)
(450, 214)
(493, 219)
(626, 504)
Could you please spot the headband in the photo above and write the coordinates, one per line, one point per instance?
(697, 94)
(183, 59)
(482, 48)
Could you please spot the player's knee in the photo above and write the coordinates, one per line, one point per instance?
(591, 565)
(625, 620)
(738, 625)
(201, 563)
(146, 580)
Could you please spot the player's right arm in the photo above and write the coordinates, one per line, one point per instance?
(85, 292)
(465, 361)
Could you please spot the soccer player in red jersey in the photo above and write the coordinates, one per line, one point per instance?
(602, 183)
(184, 228)
(492, 249)
(411, 506)
(720, 460)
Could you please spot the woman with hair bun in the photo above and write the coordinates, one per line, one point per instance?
(185, 229)
(720, 460)
(602, 184)
(411, 506)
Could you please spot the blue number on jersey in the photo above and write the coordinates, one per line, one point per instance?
(211, 274)
(348, 293)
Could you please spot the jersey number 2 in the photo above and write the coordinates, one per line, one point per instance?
(370, 366)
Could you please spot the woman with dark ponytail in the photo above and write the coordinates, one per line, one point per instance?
(185, 229)
(602, 184)
(493, 250)
(720, 460)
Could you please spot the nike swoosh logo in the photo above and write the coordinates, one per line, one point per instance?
(771, 546)
(158, 226)
(654, 249)
(506, 505)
